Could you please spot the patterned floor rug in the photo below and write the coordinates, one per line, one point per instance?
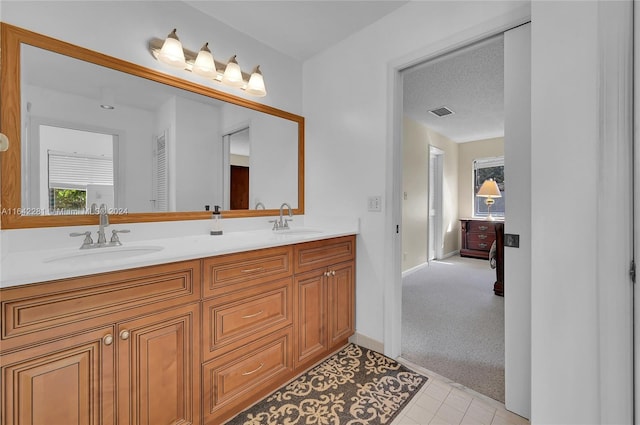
(355, 386)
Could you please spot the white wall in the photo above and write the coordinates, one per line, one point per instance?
(348, 131)
(198, 155)
(415, 211)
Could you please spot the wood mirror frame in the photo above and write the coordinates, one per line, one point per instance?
(10, 124)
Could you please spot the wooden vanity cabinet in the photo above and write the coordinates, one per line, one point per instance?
(65, 381)
(324, 298)
(247, 329)
(120, 347)
(192, 342)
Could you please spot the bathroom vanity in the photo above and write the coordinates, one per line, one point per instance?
(190, 342)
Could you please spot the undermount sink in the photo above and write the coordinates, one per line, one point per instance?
(301, 231)
(99, 255)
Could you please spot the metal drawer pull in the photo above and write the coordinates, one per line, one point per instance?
(253, 371)
(333, 272)
(483, 227)
(107, 339)
(482, 245)
(482, 236)
(253, 315)
(252, 270)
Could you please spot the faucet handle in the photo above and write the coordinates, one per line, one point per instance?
(114, 236)
(87, 238)
(286, 223)
(276, 224)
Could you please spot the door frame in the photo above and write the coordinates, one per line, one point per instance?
(436, 172)
(393, 240)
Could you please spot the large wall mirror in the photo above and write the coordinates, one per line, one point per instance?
(87, 129)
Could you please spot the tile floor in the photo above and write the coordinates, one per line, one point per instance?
(441, 402)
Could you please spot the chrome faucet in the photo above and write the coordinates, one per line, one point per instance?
(258, 205)
(102, 239)
(282, 223)
(104, 222)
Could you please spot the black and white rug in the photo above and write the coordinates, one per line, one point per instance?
(355, 386)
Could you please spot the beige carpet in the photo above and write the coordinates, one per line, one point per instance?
(453, 324)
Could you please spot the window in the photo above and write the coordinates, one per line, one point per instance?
(483, 169)
(71, 175)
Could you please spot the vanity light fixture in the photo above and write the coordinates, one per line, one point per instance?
(204, 65)
(255, 86)
(171, 52)
(233, 74)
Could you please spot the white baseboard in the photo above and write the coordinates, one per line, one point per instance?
(367, 342)
(414, 269)
(451, 254)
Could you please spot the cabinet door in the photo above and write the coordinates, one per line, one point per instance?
(340, 303)
(310, 302)
(69, 381)
(158, 372)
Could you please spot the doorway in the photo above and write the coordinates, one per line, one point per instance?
(436, 163)
(452, 323)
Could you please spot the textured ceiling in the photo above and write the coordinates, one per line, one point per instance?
(470, 82)
(299, 29)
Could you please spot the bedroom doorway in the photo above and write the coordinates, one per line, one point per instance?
(436, 161)
(453, 109)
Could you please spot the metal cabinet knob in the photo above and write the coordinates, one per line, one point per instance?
(124, 334)
(107, 339)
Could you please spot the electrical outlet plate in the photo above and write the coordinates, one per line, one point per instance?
(374, 203)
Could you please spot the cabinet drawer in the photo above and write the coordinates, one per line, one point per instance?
(313, 255)
(33, 313)
(481, 238)
(233, 272)
(481, 246)
(235, 380)
(481, 226)
(233, 320)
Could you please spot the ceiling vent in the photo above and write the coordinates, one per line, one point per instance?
(443, 111)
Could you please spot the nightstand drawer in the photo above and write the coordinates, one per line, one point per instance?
(481, 226)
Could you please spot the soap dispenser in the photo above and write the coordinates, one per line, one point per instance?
(216, 221)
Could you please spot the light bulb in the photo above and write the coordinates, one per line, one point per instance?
(256, 86)
(171, 52)
(233, 74)
(204, 65)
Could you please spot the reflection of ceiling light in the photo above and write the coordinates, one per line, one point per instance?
(107, 99)
(171, 52)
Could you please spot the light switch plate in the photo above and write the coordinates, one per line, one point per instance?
(512, 240)
(374, 203)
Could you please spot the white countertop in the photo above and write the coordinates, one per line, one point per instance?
(20, 268)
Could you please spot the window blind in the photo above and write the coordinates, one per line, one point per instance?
(76, 171)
